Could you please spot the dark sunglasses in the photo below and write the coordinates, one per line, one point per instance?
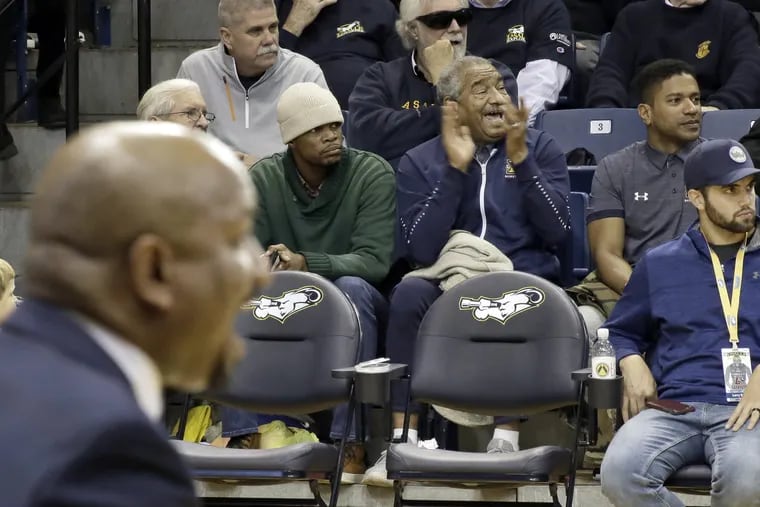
(442, 19)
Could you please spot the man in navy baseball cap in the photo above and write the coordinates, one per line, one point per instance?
(717, 162)
(681, 308)
(720, 181)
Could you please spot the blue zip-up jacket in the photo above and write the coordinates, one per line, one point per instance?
(671, 310)
(520, 209)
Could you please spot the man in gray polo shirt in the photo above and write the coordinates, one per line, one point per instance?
(638, 199)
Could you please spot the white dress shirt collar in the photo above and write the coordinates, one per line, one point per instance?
(139, 369)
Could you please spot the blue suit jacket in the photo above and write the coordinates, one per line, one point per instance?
(74, 434)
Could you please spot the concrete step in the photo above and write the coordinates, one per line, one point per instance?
(587, 493)
(17, 177)
(14, 221)
(35, 145)
(108, 77)
(177, 20)
(171, 21)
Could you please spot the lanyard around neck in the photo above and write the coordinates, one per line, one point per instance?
(730, 306)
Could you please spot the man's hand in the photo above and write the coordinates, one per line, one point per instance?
(303, 13)
(245, 158)
(687, 3)
(748, 408)
(289, 261)
(437, 57)
(457, 141)
(516, 121)
(638, 385)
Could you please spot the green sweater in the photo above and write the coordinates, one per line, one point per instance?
(347, 230)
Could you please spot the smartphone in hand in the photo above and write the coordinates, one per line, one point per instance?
(670, 406)
(274, 261)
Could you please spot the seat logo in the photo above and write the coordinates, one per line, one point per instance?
(641, 196)
(504, 307)
(285, 306)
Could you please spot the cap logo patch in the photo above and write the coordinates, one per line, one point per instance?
(737, 155)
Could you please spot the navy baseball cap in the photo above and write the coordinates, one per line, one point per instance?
(717, 162)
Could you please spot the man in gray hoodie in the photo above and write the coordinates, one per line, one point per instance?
(243, 76)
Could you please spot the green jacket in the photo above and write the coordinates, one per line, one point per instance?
(347, 230)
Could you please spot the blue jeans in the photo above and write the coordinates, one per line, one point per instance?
(372, 309)
(653, 445)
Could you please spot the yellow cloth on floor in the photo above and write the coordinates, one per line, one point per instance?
(275, 434)
(198, 421)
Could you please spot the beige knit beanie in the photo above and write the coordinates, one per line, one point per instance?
(304, 106)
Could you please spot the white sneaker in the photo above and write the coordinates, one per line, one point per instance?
(499, 446)
(377, 474)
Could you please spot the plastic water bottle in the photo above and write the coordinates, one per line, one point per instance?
(603, 356)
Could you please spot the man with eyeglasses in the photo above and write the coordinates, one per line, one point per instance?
(533, 38)
(393, 107)
(180, 101)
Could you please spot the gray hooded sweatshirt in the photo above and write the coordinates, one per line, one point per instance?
(247, 119)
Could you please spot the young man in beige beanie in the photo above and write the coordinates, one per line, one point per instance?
(330, 210)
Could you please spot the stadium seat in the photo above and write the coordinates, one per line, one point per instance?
(605, 38)
(600, 131)
(574, 255)
(579, 203)
(297, 332)
(500, 344)
(581, 177)
(729, 123)
(694, 479)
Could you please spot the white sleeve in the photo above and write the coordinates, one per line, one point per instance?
(539, 84)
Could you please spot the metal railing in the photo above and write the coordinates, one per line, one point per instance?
(72, 66)
(70, 57)
(143, 47)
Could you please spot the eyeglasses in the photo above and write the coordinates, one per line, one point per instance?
(194, 115)
(442, 19)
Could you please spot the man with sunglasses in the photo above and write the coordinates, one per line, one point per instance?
(393, 107)
(533, 38)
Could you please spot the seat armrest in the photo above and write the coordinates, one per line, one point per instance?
(373, 383)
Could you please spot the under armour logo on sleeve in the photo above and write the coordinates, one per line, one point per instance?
(642, 196)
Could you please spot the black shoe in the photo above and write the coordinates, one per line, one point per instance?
(50, 114)
(248, 441)
(7, 148)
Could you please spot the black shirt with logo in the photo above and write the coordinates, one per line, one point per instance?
(717, 38)
(522, 31)
(345, 39)
(392, 109)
